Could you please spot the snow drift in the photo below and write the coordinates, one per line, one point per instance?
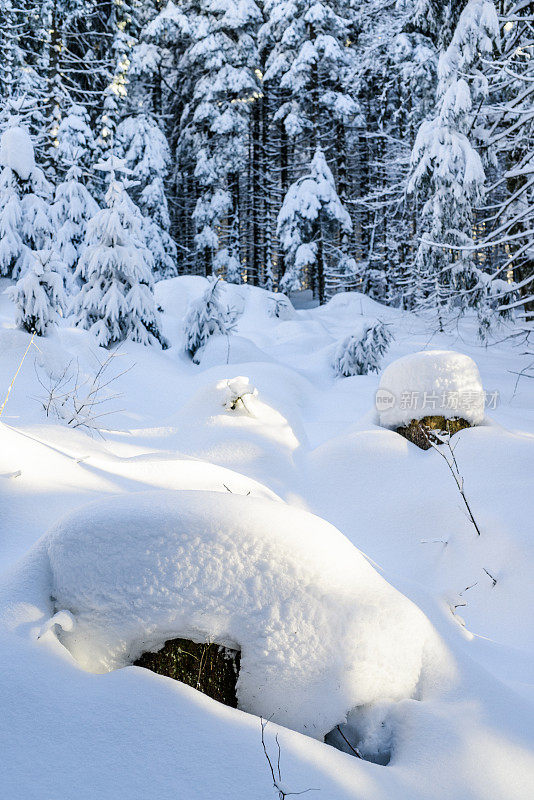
(320, 631)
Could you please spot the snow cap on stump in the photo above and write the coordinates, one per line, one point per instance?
(320, 632)
(430, 383)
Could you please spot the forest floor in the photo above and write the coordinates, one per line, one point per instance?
(66, 734)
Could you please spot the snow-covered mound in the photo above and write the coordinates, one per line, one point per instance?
(16, 152)
(320, 631)
(430, 383)
(229, 350)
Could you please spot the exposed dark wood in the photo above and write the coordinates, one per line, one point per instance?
(210, 668)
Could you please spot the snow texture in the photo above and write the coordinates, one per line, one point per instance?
(432, 383)
(16, 152)
(320, 631)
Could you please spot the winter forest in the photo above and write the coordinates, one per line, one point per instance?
(379, 146)
(266, 399)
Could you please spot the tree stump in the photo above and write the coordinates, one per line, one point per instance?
(209, 668)
(419, 431)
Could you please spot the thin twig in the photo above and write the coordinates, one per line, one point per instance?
(354, 749)
(453, 466)
(282, 794)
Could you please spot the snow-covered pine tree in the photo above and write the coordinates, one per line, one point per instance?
(116, 301)
(309, 59)
(309, 225)
(207, 316)
(26, 216)
(163, 87)
(223, 57)
(73, 207)
(395, 79)
(359, 355)
(437, 19)
(509, 220)
(448, 175)
(11, 55)
(144, 148)
(123, 28)
(39, 294)
(75, 140)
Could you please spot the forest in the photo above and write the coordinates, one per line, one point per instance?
(377, 145)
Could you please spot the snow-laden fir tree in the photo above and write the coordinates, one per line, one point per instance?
(73, 207)
(437, 19)
(448, 174)
(116, 301)
(309, 226)
(395, 80)
(75, 140)
(144, 148)
(207, 316)
(359, 355)
(510, 216)
(11, 54)
(26, 216)
(223, 57)
(308, 57)
(39, 293)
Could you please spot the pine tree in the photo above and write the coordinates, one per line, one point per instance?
(75, 141)
(73, 207)
(144, 148)
(509, 217)
(26, 216)
(223, 58)
(309, 224)
(359, 355)
(395, 80)
(448, 173)
(310, 61)
(206, 317)
(116, 300)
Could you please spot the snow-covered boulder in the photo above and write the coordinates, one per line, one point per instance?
(432, 383)
(320, 632)
(16, 152)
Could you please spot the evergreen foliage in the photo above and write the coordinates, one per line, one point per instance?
(359, 355)
(39, 294)
(116, 300)
(206, 317)
(421, 111)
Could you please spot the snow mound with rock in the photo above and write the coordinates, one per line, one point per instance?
(430, 383)
(320, 632)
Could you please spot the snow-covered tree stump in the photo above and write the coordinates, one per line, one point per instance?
(210, 668)
(431, 429)
(426, 394)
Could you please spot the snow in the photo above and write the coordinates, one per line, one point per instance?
(431, 383)
(320, 632)
(308, 448)
(16, 152)
(229, 350)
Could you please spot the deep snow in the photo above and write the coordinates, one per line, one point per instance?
(320, 632)
(313, 442)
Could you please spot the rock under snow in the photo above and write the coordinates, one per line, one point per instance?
(16, 152)
(320, 632)
(430, 383)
